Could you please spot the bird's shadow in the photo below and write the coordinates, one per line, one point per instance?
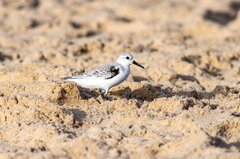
(145, 93)
(150, 92)
(92, 93)
(88, 93)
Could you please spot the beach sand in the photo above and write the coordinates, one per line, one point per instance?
(185, 104)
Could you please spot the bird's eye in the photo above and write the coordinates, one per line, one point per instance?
(127, 57)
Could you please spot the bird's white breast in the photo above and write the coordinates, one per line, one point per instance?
(123, 74)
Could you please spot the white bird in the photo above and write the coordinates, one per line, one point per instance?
(107, 76)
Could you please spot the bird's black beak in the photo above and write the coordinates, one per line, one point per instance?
(135, 63)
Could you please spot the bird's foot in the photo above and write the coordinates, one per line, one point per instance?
(105, 96)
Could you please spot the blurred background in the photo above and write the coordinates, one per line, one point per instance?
(73, 32)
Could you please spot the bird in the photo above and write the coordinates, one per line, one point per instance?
(106, 76)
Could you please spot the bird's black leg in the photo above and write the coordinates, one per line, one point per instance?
(103, 94)
(102, 91)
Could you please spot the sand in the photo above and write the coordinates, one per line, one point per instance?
(185, 104)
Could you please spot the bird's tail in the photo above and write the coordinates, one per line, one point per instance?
(69, 78)
(66, 78)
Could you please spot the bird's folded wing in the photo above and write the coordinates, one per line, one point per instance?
(105, 72)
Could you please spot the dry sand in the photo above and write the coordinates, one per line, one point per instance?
(186, 104)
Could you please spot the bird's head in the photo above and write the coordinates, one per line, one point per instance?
(126, 59)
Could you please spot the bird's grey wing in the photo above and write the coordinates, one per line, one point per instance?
(104, 72)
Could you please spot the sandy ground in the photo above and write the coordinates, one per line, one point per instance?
(185, 104)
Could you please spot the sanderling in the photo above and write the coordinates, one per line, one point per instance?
(107, 76)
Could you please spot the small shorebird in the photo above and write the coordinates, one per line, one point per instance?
(107, 76)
